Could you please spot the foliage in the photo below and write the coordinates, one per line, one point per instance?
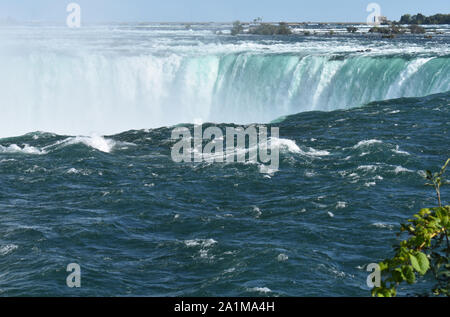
(262, 28)
(437, 180)
(426, 251)
(405, 19)
(238, 28)
(395, 29)
(270, 29)
(257, 20)
(421, 19)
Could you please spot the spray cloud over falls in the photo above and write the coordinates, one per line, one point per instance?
(84, 83)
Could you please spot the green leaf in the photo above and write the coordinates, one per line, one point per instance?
(409, 274)
(398, 276)
(445, 167)
(415, 263)
(420, 263)
(383, 266)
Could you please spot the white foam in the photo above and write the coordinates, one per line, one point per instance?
(383, 225)
(26, 149)
(290, 145)
(6, 249)
(314, 152)
(72, 171)
(264, 169)
(338, 273)
(257, 212)
(367, 143)
(7, 160)
(368, 168)
(204, 254)
(76, 171)
(401, 169)
(310, 174)
(35, 168)
(398, 151)
(341, 205)
(200, 242)
(96, 142)
(260, 290)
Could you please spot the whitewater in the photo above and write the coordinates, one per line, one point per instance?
(110, 79)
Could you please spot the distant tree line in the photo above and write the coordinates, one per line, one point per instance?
(395, 29)
(270, 29)
(262, 28)
(238, 28)
(422, 19)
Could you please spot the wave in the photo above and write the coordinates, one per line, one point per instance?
(7, 249)
(96, 142)
(43, 143)
(292, 147)
(367, 143)
(79, 93)
(25, 149)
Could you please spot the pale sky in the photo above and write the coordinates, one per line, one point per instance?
(94, 11)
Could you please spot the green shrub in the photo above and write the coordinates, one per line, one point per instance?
(270, 29)
(238, 28)
(426, 251)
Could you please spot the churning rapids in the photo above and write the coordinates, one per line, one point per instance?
(360, 119)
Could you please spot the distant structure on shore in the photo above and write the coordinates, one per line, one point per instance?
(383, 20)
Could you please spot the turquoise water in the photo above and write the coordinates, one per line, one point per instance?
(99, 187)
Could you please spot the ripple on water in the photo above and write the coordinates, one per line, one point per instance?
(7, 249)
